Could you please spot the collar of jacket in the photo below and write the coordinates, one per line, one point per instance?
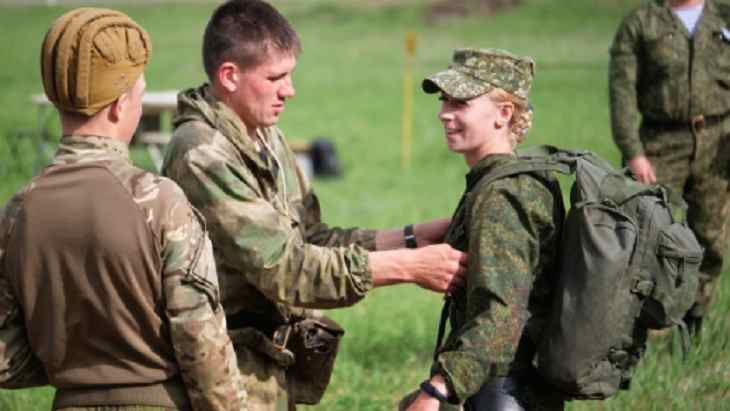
(199, 104)
(709, 20)
(80, 148)
(485, 166)
(709, 14)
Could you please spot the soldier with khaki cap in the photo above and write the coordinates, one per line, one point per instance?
(509, 227)
(108, 288)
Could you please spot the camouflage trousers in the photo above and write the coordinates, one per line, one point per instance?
(695, 162)
(264, 380)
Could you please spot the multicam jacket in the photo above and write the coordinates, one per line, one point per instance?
(661, 72)
(107, 281)
(510, 230)
(272, 250)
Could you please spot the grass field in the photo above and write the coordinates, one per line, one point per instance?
(349, 89)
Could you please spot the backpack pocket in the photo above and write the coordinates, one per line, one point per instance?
(586, 348)
(679, 256)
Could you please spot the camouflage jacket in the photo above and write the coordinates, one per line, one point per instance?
(662, 73)
(272, 250)
(510, 230)
(111, 260)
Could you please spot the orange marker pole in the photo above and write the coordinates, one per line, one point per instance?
(407, 117)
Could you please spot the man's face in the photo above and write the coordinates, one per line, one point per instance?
(262, 90)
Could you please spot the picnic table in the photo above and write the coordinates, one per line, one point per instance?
(152, 133)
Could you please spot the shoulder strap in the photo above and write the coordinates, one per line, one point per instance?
(535, 159)
(569, 161)
(442, 325)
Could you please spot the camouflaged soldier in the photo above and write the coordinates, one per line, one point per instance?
(274, 254)
(670, 99)
(108, 288)
(509, 228)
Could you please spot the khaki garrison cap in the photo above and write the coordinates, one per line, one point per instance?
(90, 57)
(477, 71)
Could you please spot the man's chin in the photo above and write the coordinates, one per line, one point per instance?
(271, 121)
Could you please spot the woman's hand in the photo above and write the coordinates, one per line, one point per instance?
(424, 402)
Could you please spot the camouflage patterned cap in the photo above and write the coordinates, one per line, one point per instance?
(478, 71)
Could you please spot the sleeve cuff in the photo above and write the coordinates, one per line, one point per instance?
(633, 150)
(463, 376)
(367, 239)
(360, 268)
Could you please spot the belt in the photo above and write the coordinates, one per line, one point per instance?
(696, 123)
(279, 333)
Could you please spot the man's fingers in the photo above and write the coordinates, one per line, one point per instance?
(456, 282)
(462, 258)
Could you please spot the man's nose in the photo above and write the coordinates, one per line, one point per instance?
(287, 90)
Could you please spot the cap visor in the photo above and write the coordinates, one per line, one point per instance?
(455, 84)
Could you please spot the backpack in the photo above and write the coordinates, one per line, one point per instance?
(628, 263)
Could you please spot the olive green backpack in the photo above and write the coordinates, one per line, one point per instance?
(628, 264)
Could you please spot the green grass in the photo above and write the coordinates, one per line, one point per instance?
(349, 89)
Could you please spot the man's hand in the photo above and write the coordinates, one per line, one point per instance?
(437, 267)
(440, 268)
(642, 169)
(431, 232)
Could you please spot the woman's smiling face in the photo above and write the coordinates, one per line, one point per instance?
(468, 124)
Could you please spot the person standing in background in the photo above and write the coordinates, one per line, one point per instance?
(670, 104)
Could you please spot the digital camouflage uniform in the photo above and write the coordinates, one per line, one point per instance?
(677, 87)
(510, 229)
(274, 255)
(108, 289)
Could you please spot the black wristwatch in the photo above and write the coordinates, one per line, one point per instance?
(433, 392)
(410, 236)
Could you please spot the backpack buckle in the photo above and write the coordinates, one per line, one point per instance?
(642, 287)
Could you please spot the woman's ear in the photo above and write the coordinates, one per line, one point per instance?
(505, 111)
